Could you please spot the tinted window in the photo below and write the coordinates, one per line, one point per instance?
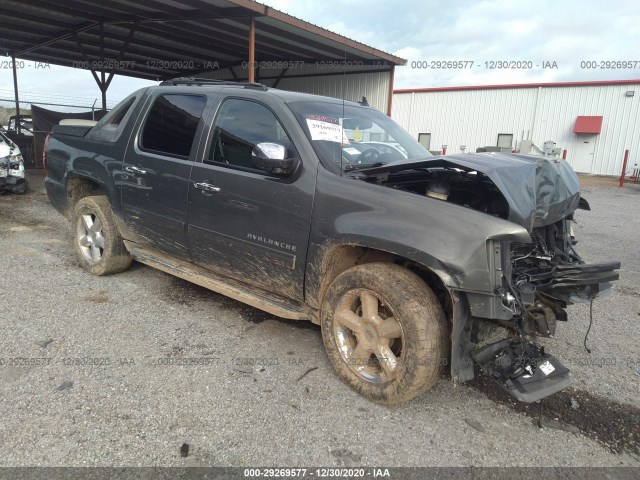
(114, 117)
(171, 124)
(112, 124)
(240, 126)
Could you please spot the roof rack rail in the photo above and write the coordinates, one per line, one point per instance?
(210, 81)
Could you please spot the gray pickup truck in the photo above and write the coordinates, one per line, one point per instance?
(283, 201)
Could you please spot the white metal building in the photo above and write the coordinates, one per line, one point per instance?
(593, 121)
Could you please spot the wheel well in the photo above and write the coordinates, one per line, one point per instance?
(343, 257)
(80, 187)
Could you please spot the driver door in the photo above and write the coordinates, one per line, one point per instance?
(249, 224)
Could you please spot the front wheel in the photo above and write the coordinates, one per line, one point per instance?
(96, 241)
(385, 332)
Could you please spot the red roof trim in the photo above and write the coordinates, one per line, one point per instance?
(588, 124)
(520, 85)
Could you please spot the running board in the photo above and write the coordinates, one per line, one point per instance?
(523, 369)
(261, 299)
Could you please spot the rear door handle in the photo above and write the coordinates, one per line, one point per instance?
(207, 187)
(135, 170)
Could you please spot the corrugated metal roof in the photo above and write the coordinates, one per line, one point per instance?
(160, 39)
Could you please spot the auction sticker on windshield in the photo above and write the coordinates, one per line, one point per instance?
(352, 151)
(326, 131)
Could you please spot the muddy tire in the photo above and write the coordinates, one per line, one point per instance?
(385, 332)
(96, 241)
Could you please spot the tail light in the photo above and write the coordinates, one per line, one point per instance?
(44, 153)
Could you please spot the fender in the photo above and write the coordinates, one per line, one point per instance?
(452, 241)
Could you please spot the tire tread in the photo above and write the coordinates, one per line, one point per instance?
(422, 316)
(115, 257)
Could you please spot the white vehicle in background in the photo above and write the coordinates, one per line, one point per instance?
(13, 177)
(388, 147)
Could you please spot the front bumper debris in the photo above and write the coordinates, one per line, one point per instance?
(574, 283)
(12, 177)
(523, 369)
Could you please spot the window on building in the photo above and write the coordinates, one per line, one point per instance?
(505, 140)
(172, 123)
(424, 139)
(240, 126)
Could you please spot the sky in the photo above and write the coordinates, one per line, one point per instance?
(560, 35)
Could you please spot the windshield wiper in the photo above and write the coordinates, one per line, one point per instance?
(352, 166)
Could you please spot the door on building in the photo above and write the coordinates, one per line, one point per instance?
(585, 149)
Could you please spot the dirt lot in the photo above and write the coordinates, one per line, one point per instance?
(587, 181)
(127, 368)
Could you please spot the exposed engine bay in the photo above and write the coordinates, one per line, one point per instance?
(469, 189)
(535, 281)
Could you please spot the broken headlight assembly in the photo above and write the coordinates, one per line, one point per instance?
(12, 165)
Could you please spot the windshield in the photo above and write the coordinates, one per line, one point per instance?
(25, 123)
(347, 137)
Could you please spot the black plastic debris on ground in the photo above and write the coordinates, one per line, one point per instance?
(612, 424)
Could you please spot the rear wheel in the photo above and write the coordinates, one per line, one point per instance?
(385, 332)
(96, 241)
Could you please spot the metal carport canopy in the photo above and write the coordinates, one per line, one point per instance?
(161, 39)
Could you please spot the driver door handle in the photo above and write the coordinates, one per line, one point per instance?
(135, 170)
(206, 187)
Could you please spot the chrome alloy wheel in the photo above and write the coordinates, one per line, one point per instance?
(369, 337)
(90, 238)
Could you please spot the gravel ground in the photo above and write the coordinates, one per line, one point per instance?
(135, 407)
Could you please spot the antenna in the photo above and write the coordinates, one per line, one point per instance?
(342, 132)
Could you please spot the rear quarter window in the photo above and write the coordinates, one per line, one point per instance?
(109, 128)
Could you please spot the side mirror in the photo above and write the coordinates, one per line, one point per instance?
(272, 158)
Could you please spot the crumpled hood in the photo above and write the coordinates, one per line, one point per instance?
(540, 190)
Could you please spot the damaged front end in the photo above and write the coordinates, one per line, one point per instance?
(539, 280)
(12, 175)
(549, 274)
(13, 178)
(530, 284)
